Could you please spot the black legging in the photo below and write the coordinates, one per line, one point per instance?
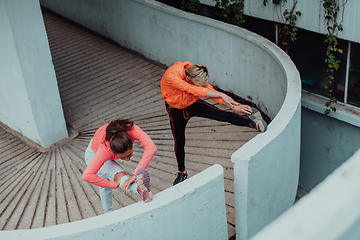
(180, 117)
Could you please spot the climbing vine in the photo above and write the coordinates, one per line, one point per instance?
(230, 11)
(273, 1)
(192, 6)
(288, 29)
(332, 8)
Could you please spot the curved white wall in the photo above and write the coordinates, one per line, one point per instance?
(193, 209)
(267, 167)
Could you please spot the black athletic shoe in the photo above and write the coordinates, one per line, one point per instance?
(180, 177)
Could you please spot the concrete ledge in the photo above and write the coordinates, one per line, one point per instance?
(320, 154)
(193, 209)
(344, 112)
(330, 211)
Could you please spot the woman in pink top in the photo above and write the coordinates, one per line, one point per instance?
(113, 141)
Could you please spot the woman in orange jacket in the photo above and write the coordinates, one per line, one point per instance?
(181, 86)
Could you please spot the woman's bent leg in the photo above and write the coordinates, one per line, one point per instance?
(105, 193)
(108, 171)
(106, 199)
(132, 187)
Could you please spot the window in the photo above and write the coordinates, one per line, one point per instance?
(309, 54)
(261, 27)
(353, 93)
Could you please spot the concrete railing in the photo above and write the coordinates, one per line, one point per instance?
(176, 213)
(330, 211)
(267, 167)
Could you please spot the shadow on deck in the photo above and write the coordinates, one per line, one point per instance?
(99, 82)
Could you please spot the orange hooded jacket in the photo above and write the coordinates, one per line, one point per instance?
(177, 92)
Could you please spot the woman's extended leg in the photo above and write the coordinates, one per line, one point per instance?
(203, 109)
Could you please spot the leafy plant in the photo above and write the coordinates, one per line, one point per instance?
(289, 29)
(230, 11)
(192, 6)
(273, 1)
(332, 7)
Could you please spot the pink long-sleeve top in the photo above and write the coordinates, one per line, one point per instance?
(104, 153)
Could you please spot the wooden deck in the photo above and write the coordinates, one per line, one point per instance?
(99, 82)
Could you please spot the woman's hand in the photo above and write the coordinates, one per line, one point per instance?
(245, 109)
(229, 101)
(127, 183)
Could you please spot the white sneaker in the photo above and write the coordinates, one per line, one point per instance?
(259, 122)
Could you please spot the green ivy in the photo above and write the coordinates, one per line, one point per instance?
(274, 2)
(192, 6)
(331, 7)
(230, 11)
(289, 29)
